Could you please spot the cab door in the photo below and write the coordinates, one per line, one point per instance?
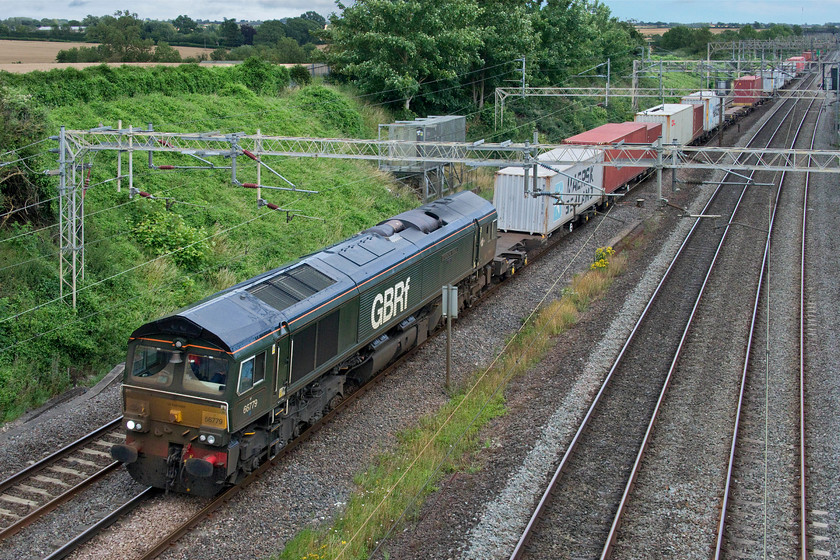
(253, 388)
(282, 377)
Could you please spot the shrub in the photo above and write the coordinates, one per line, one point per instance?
(166, 232)
(300, 75)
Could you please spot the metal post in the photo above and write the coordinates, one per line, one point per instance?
(448, 346)
(130, 158)
(523, 77)
(674, 172)
(708, 61)
(449, 304)
(661, 92)
(151, 128)
(119, 159)
(62, 205)
(659, 170)
(607, 91)
(257, 152)
(526, 173)
(634, 101)
(73, 239)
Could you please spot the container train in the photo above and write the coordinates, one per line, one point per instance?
(215, 389)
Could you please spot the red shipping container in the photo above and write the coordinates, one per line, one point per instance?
(748, 90)
(799, 62)
(654, 131)
(698, 122)
(613, 133)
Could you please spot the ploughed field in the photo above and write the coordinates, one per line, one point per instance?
(27, 56)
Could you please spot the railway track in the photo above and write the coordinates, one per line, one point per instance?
(759, 518)
(105, 436)
(40, 488)
(581, 511)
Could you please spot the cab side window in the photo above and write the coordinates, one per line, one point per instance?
(251, 372)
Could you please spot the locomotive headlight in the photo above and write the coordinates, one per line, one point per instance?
(138, 426)
(211, 439)
(202, 437)
(130, 424)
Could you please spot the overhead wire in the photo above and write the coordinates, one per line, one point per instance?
(262, 215)
(15, 150)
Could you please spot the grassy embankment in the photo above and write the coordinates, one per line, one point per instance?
(134, 270)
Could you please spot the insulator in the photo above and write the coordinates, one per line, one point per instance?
(250, 185)
(166, 167)
(249, 154)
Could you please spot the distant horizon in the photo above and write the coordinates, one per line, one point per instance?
(672, 12)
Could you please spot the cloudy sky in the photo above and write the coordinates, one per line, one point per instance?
(685, 11)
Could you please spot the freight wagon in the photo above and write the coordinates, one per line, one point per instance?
(677, 121)
(747, 91)
(712, 105)
(567, 193)
(615, 177)
(797, 64)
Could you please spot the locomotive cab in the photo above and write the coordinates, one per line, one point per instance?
(176, 416)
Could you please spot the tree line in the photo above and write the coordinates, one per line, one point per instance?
(124, 37)
(693, 40)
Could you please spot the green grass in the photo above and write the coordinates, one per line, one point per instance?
(390, 492)
(46, 351)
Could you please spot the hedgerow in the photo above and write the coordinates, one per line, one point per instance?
(68, 86)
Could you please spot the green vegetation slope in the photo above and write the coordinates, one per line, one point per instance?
(134, 270)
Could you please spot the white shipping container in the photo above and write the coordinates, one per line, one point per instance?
(711, 102)
(575, 186)
(771, 80)
(677, 121)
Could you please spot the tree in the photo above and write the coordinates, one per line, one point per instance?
(184, 24)
(302, 30)
(287, 51)
(315, 17)
(120, 36)
(159, 31)
(22, 124)
(394, 48)
(678, 37)
(231, 33)
(506, 35)
(90, 21)
(165, 53)
(565, 33)
(248, 33)
(300, 75)
(269, 32)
